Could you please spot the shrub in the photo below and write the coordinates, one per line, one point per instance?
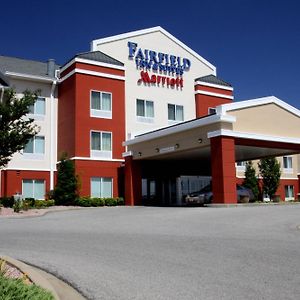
(111, 201)
(43, 203)
(30, 201)
(97, 202)
(7, 201)
(120, 201)
(83, 201)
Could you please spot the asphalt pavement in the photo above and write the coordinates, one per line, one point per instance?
(165, 253)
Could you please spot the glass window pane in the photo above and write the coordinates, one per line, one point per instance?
(39, 189)
(27, 188)
(31, 109)
(96, 141)
(96, 101)
(106, 188)
(39, 144)
(95, 187)
(40, 106)
(149, 109)
(179, 113)
(106, 101)
(106, 141)
(140, 108)
(171, 112)
(29, 147)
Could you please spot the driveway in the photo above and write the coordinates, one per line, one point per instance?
(165, 253)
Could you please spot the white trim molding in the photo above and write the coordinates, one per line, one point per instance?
(211, 119)
(224, 108)
(126, 154)
(29, 77)
(253, 136)
(217, 86)
(96, 159)
(214, 94)
(92, 73)
(132, 34)
(91, 62)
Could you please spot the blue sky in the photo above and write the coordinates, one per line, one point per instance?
(255, 45)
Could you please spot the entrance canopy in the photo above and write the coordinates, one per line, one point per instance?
(240, 131)
(261, 127)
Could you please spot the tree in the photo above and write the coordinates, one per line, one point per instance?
(66, 189)
(269, 169)
(251, 180)
(15, 128)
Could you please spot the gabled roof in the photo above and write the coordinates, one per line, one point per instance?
(131, 34)
(24, 66)
(222, 109)
(214, 80)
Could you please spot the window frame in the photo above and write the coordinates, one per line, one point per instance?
(211, 111)
(101, 187)
(145, 118)
(288, 167)
(35, 115)
(289, 192)
(33, 192)
(101, 113)
(103, 154)
(35, 155)
(175, 121)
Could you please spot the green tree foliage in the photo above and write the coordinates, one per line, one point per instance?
(251, 180)
(269, 169)
(15, 128)
(66, 189)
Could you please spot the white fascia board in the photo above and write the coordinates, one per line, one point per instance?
(253, 136)
(96, 159)
(29, 77)
(28, 169)
(228, 88)
(131, 34)
(93, 73)
(180, 128)
(214, 94)
(222, 109)
(91, 62)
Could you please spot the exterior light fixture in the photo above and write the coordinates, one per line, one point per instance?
(140, 153)
(200, 141)
(156, 150)
(176, 146)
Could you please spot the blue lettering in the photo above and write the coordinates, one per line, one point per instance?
(132, 46)
(186, 64)
(152, 56)
(173, 60)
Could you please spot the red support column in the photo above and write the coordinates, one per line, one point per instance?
(223, 169)
(133, 182)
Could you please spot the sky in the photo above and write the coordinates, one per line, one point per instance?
(254, 44)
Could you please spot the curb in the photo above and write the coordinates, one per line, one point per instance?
(60, 289)
(221, 205)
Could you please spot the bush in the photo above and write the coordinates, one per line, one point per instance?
(111, 201)
(17, 290)
(120, 201)
(96, 202)
(7, 201)
(43, 203)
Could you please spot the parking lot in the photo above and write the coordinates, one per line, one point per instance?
(165, 253)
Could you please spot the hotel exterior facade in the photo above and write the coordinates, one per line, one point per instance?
(145, 117)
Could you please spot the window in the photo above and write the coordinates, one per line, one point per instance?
(241, 164)
(35, 146)
(33, 188)
(145, 111)
(289, 192)
(101, 144)
(101, 105)
(211, 111)
(288, 164)
(39, 107)
(101, 187)
(175, 113)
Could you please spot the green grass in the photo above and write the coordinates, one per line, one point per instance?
(15, 289)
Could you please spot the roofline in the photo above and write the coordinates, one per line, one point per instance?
(210, 119)
(131, 34)
(29, 77)
(90, 62)
(224, 108)
(214, 85)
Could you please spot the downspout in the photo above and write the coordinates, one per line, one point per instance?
(52, 136)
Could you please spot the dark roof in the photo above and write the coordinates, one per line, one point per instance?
(213, 79)
(24, 66)
(3, 80)
(97, 56)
